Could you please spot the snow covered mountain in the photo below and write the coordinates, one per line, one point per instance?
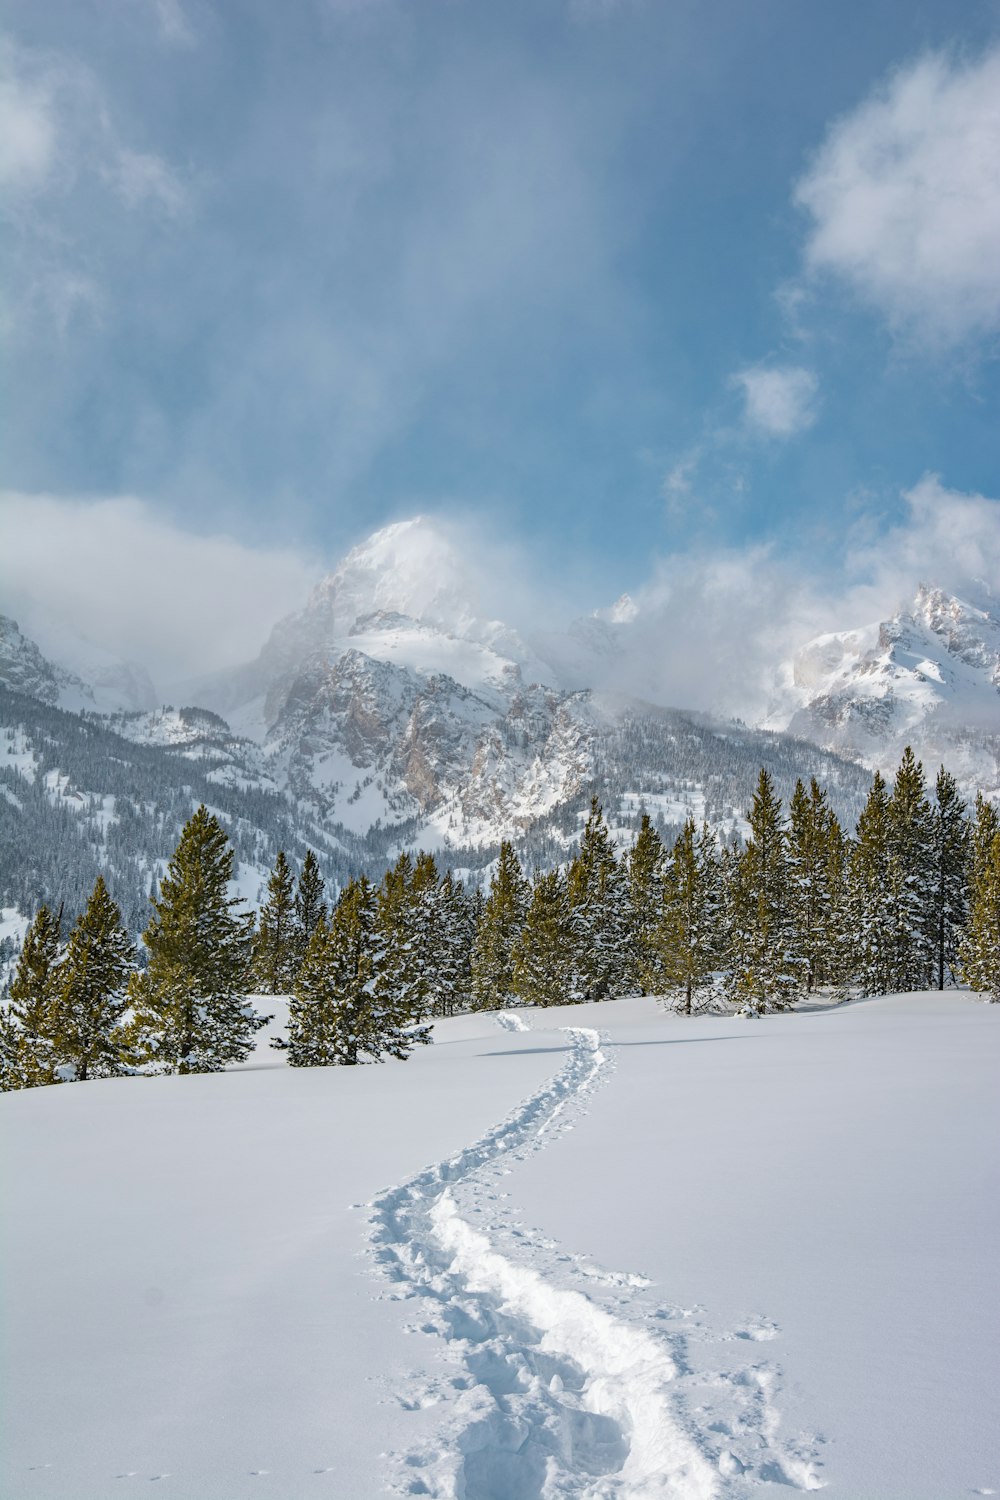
(395, 711)
(406, 597)
(393, 706)
(927, 676)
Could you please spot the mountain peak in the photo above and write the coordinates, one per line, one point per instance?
(411, 568)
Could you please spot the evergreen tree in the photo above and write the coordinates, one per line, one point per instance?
(767, 970)
(339, 1013)
(687, 941)
(452, 938)
(500, 924)
(26, 1052)
(979, 946)
(274, 960)
(189, 1009)
(599, 902)
(645, 887)
(12, 1072)
(912, 877)
(88, 1039)
(817, 892)
(835, 959)
(313, 1032)
(545, 969)
(310, 907)
(870, 895)
(424, 933)
(950, 855)
(404, 979)
(403, 927)
(985, 823)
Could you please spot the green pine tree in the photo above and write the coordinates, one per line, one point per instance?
(337, 1013)
(645, 887)
(767, 972)
(599, 902)
(979, 945)
(871, 885)
(425, 933)
(190, 1013)
(985, 823)
(452, 938)
(26, 1052)
(817, 890)
(313, 1032)
(979, 949)
(403, 967)
(687, 940)
(502, 918)
(310, 907)
(545, 969)
(275, 945)
(912, 877)
(88, 1038)
(835, 955)
(950, 857)
(404, 980)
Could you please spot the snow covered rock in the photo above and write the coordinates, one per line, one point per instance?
(928, 676)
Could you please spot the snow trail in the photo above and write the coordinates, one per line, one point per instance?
(557, 1395)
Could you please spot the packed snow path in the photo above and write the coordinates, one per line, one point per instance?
(563, 1390)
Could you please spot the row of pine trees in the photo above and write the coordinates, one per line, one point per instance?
(911, 901)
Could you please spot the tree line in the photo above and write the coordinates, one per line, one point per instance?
(911, 901)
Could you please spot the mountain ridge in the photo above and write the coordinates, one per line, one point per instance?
(388, 714)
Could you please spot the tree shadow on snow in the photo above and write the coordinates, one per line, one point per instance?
(524, 1051)
(687, 1041)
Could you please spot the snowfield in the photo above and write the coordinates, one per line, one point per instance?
(598, 1251)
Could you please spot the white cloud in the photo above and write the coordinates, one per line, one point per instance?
(140, 177)
(127, 579)
(27, 129)
(707, 629)
(780, 400)
(904, 198)
(948, 538)
(175, 28)
(678, 481)
(711, 625)
(58, 135)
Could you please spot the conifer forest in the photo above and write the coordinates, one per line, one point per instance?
(910, 900)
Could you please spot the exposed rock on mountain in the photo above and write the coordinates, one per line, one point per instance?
(393, 712)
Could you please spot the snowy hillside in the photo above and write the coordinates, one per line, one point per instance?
(651, 1258)
(929, 675)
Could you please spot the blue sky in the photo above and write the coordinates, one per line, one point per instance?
(627, 280)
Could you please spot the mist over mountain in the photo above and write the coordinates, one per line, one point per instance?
(396, 709)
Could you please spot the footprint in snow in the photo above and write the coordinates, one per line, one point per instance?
(759, 1330)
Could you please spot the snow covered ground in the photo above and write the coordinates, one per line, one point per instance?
(616, 1254)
